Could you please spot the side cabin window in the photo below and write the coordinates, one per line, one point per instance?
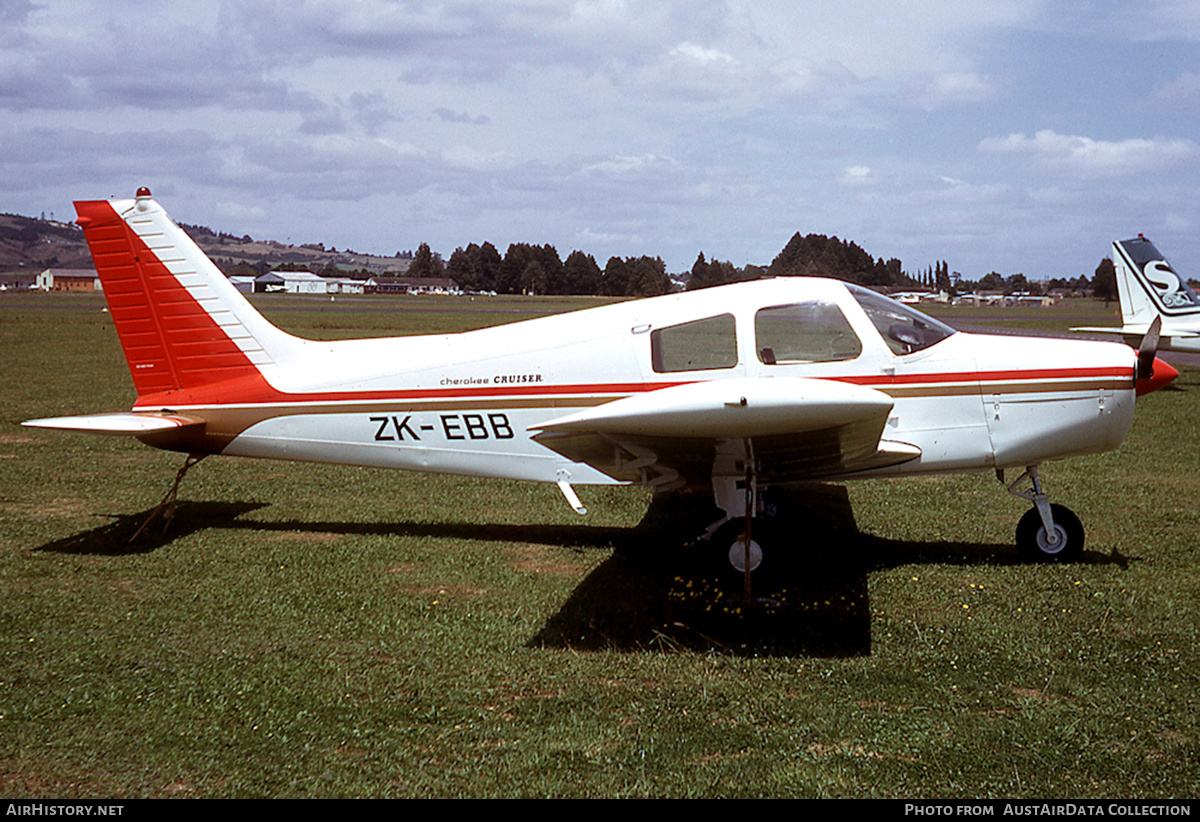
(805, 332)
(695, 346)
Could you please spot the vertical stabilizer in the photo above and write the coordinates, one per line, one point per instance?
(181, 323)
(1148, 285)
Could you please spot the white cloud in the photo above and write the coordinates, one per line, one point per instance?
(626, 165)
(701, 54)
(1087, 158)
(857, 175)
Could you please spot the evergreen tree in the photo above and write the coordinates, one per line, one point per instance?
(487, 265)
(581, 274)
(533, 278)
(461, 269)
(426, 264)
(816, 255)
(992, 281)
(942, 282)
(699, 277)
(648, 277)
(516, 259)
(551, 270)
(1104, 281)
(615, 282)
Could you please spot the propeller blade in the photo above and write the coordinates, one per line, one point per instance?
(1148, 349)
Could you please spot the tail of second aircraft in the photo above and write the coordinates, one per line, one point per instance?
(182, 324)
(1147, 284)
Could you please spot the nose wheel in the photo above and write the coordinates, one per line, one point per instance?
(1062, 544)
(1048, 532)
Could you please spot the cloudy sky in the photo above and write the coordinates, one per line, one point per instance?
(1008, 135)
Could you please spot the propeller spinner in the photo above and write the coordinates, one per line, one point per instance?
(1151, 373)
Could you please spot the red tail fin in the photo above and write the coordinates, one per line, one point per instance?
(180, 322)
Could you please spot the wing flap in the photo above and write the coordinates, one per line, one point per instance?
(798, 429)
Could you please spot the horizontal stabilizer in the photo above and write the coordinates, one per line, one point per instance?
(120, 423)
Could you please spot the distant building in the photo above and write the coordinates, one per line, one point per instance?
(243, 283)
(997, 299)
(305, 282)
(68, 279)
(412, 285)
(19, 281)
(915, 297)
(267, 283)
(346, 285)
(1034, 300)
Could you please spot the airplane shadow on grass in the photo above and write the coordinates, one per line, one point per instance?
(809, 597)
(658, 590)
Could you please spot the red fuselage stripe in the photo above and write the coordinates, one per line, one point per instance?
(263, 393)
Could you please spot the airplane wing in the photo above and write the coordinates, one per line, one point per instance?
(121, 423)
(797, 429)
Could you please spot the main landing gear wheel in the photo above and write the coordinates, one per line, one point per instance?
(1034, 543)
(737, 554)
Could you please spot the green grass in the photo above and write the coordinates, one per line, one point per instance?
(334, 631)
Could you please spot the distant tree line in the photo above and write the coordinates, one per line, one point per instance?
(812, 255)
(532, 269)
(220, 236)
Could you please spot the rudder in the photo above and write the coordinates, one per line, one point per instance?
(182, 325)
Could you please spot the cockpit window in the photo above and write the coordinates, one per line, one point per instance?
(695, 346)
(804, 332)
(904, 329)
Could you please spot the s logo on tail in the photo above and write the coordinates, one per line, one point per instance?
(1139, 263)
(1150, 288)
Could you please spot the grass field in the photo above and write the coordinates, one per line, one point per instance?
(317, 631)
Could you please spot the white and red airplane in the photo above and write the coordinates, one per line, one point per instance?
(1149, 288)
(740, 387)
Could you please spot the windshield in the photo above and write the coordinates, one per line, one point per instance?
(904, 329)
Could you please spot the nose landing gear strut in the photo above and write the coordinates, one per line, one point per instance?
(1047, 532)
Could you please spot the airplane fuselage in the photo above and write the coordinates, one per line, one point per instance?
(470, 403)
(739, 387)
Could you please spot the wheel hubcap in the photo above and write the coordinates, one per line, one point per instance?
(737, 555)
(1048, 547)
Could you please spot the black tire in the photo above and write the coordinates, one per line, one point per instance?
(1031, 536)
